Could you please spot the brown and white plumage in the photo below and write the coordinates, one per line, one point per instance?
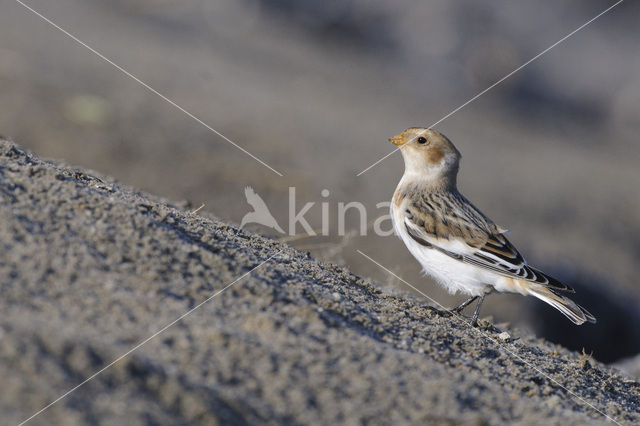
(454, 241)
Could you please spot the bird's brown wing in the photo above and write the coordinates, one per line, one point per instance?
(453, 226)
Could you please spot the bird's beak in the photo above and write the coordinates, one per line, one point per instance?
(397, 140)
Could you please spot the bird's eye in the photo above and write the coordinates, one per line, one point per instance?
(422, 140)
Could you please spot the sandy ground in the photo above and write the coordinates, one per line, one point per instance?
(90, 268)
(315, 88)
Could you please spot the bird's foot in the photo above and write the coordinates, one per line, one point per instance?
(439, 312)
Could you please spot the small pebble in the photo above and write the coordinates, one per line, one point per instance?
(504, 336)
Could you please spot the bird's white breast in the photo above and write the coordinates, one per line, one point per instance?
(452, 274)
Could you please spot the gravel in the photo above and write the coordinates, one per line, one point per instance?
(91, 269)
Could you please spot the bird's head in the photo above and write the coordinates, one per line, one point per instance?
(428, 154)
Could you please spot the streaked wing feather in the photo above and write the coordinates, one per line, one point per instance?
(459, 224)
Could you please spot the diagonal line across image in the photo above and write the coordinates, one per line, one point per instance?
(145, 85)
(486, 335)
(501, 80)
(145, 341)
(195, 118)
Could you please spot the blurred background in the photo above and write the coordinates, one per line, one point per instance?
(316, 88)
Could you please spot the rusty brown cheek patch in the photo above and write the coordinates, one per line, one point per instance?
(398, 196)
(435, 154)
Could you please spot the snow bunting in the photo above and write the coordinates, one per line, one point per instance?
(456, 243)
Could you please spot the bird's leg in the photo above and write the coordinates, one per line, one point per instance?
(474, 318)
(463, 305)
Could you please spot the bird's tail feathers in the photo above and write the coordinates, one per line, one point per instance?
(576, 313)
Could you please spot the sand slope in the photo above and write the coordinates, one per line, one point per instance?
(89, 268)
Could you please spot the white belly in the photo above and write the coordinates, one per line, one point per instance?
(452, 274)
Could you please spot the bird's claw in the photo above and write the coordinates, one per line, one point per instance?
(439, 312)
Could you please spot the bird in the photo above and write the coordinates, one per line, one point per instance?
(455, 243)
(260, 214)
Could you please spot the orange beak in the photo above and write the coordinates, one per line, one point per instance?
(397, 140)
